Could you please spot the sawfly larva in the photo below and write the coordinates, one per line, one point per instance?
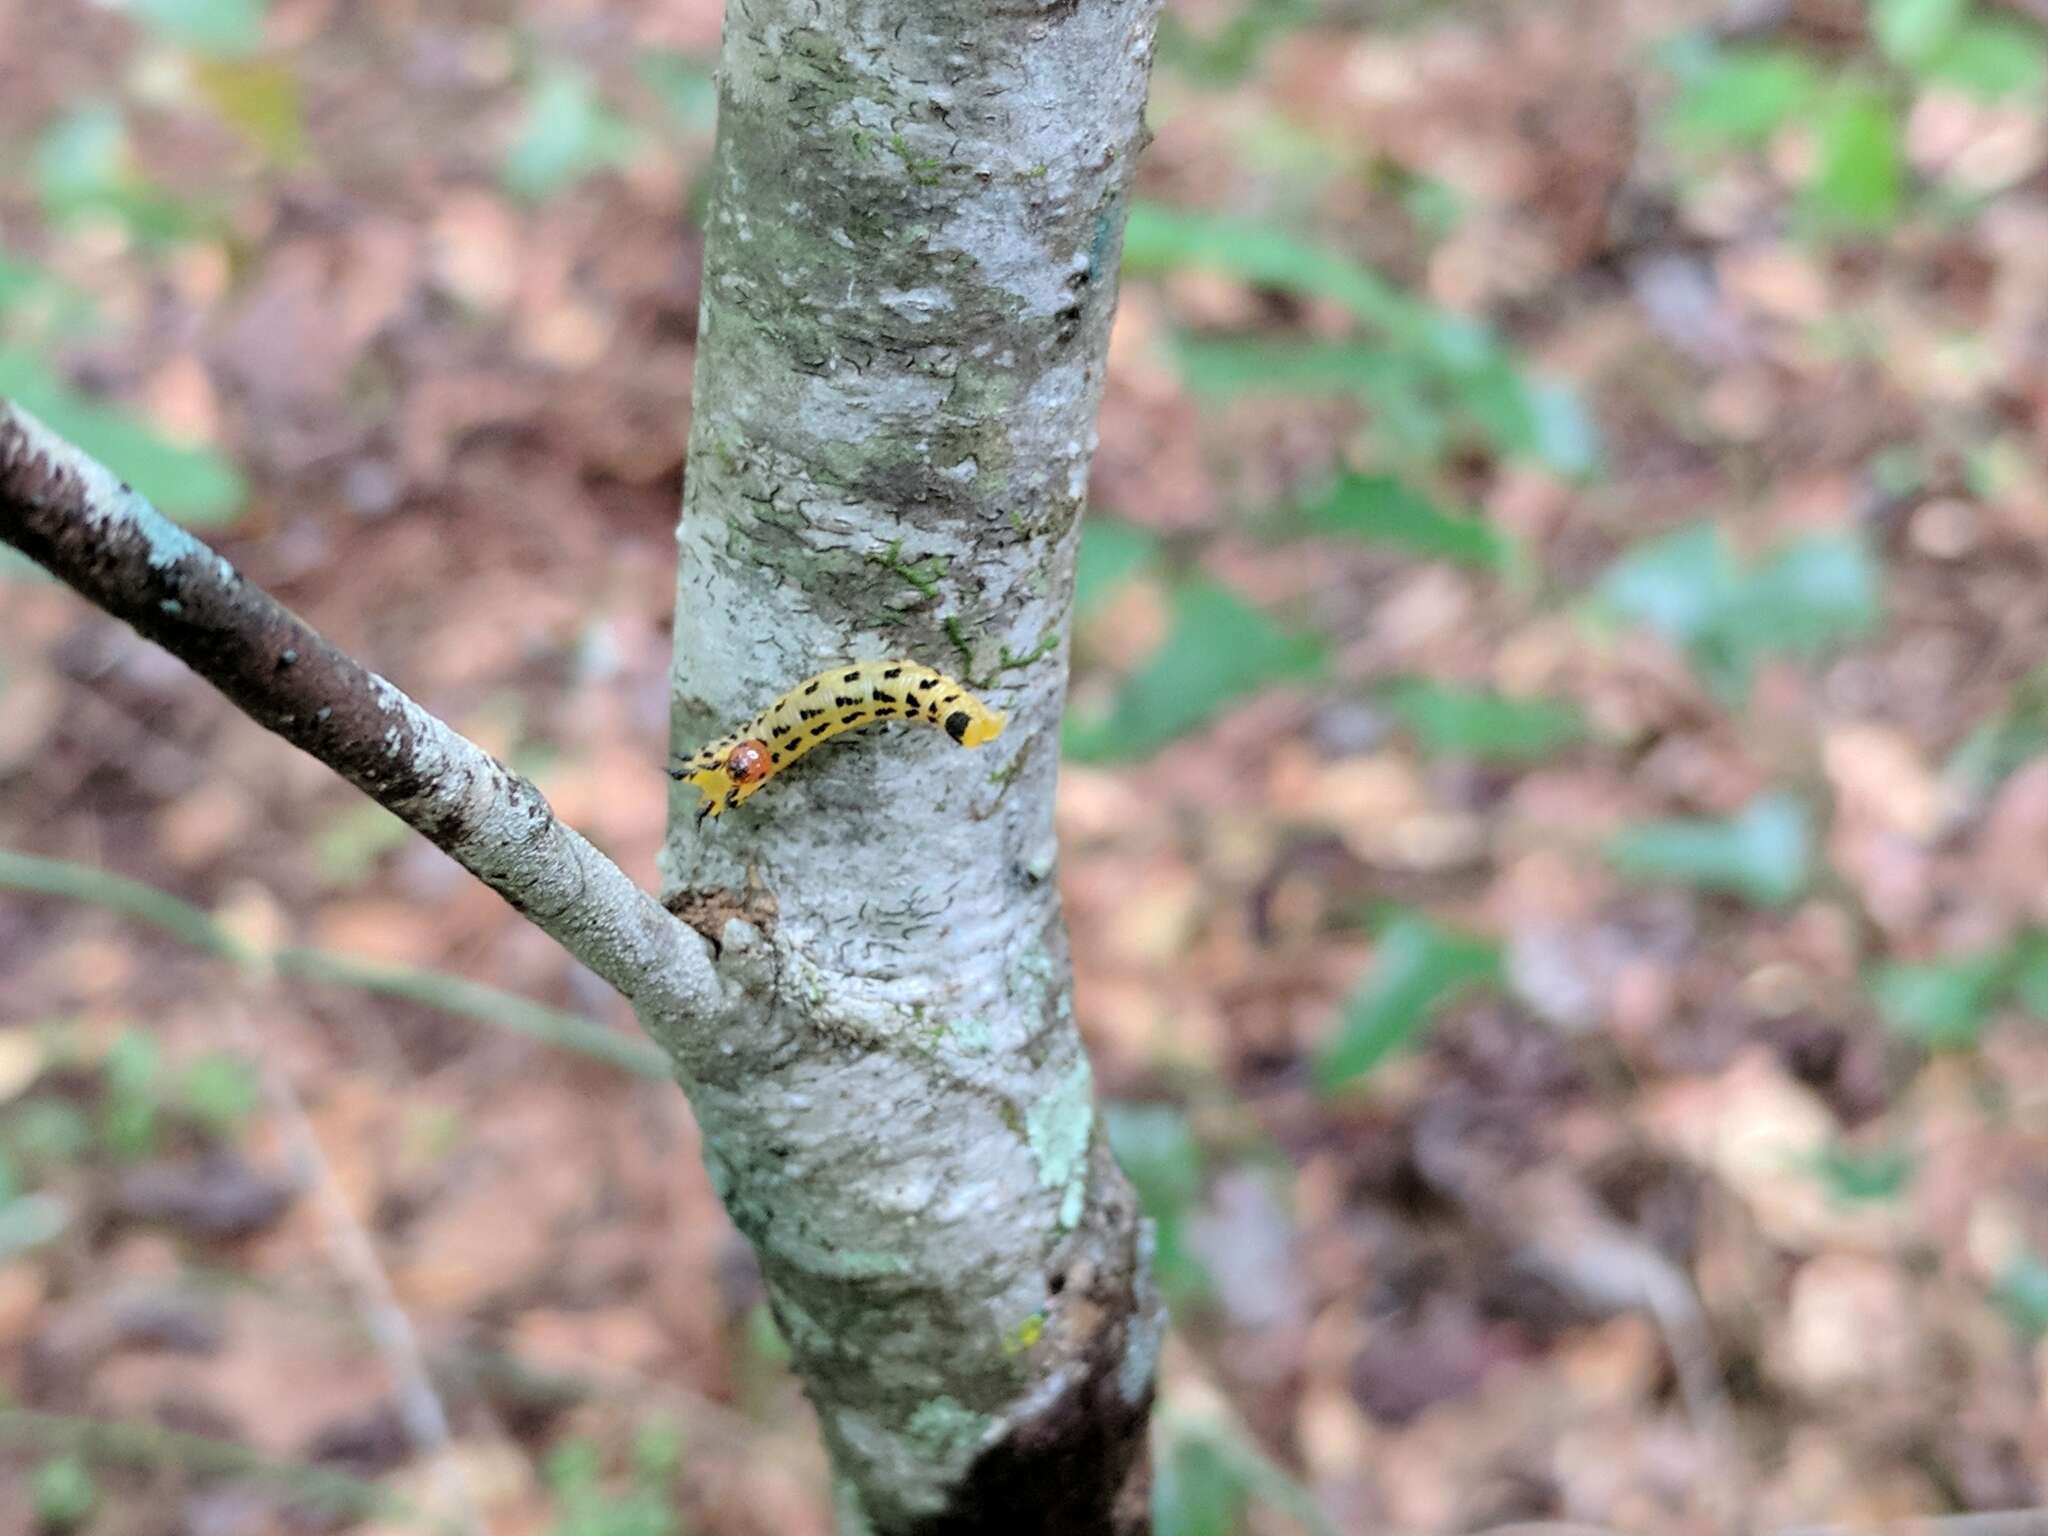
(814, 711)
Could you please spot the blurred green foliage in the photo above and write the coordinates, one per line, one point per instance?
(352, 840)
(1220, 648)
(220, 1093)
(1859, 180)
(2023, 1292)
(1199, 1491)
(566, 133)
(63, 1493)
(1463, 722)
(1158, 1150)
(1417, 968)
(1432, 379)
(2012, 737)
(230, 27)
(261, 100)
(1854, 1177)
(1110, 555)
(1383, 509)
(1946, 1004)
(132, 1079)
(83, 166)
(1738, 99)
(193, 485)
(1764, 854)
(640, 1502)
(1727, 616)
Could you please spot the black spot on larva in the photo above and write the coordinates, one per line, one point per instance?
(884, 709)
(956, 725)
(843, 701)
(819, 730)
(893, 672)
(850, 677)
(810, 687)
(774, 757)
(951, 698)
(925, 682)
(883, 698)
(809, 714)
(779, 731)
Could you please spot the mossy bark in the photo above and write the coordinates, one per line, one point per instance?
(914, 233)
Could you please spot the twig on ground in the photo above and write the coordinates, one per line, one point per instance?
(198, 928)
(420, 1409)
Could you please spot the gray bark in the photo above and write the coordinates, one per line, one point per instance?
(915, 225)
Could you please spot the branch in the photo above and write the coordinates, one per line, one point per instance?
(75, 519)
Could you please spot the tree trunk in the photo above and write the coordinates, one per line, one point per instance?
(915, 226)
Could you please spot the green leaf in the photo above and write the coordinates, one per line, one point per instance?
(1111, 554)
(221, 1092)
(2023, 1293)
(1382, 509)
(566, 134)
(128, 1113)
(29, 1222)
(1993, 58)
(1805, 598)
(1910, 32)
(193, 485)
(1857, 1178)
(1764, 855)
(1199, 1491)
(82, 165)
(1412, 407)
(1417, 967)
(1458, 362)
(686, 87)
(1225, 55)
(82, 157)
(48, 1134)
(1944, 1004)
(1741, 98)
(1219, 649)
(63, 1492)
(1859, 180)
(210, 26)
(1449, 721)
(2001, 745)
(1158, 1151)
(350, 842)
(1812, 593)
(1681, 585)
(1162, 239)
(260, 99)
(2030, 975)
(36, 304)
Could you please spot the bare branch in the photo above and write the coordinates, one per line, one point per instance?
(74, 518)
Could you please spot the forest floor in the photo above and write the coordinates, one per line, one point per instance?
(1555, 834)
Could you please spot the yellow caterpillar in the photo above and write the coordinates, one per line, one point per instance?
(819, 708)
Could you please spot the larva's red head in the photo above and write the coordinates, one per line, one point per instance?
(747, 763)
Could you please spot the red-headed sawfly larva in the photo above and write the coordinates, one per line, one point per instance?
(819, 708)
